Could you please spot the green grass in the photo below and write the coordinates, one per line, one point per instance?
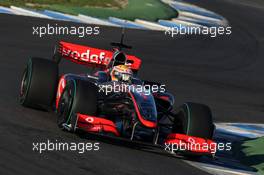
(126, 9)
(251, 153)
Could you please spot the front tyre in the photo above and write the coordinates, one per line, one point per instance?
(78, 97)
(194, 119)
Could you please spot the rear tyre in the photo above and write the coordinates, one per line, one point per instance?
(195, 120)
(78, 97)
(39, 83)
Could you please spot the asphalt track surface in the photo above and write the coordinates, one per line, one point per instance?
(225, 73)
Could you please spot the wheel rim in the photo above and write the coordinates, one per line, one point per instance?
(65, 106)
(24, 86)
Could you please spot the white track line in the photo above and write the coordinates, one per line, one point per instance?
(182, 22)
(238, 129)
(126, 22)
(200, 17)
(9, 11)
(92, 20)
(151, 25)
(183, 4)
(26, 12)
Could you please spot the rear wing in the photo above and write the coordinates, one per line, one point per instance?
(91, 57)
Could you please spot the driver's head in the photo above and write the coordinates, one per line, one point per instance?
(121, 73)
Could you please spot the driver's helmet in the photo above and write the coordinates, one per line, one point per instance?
(121, 73)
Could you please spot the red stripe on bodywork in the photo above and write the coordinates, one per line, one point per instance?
(61, 86)
(146, 123)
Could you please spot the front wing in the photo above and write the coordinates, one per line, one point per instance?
(174, 142)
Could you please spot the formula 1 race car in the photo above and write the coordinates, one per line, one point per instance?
(131, 109)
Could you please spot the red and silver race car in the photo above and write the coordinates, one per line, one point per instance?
(94, 103)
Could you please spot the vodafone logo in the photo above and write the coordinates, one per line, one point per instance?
(87, 56)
